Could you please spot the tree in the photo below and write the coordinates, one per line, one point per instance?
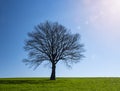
(52, 42)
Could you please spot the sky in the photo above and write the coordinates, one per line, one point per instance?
(97, 21)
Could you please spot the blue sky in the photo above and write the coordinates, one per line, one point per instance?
(97, 22)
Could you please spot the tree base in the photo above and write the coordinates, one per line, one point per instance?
(52, 78)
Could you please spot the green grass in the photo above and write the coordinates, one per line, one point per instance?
(61, 84)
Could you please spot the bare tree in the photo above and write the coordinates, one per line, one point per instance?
(52, 42)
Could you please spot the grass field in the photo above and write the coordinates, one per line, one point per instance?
(61, 84)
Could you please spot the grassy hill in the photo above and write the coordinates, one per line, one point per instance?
(61, 84)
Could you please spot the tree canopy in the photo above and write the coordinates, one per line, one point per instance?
(52, 42)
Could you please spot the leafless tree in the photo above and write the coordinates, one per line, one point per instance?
(52, 42)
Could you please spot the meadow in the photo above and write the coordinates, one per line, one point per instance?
(60, 84)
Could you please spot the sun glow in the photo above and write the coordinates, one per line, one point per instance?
(112, 9)
(103, 11)
(104, 16)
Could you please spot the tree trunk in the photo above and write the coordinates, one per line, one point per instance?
(53, 77)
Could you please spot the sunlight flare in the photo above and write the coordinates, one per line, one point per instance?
(104, 15)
